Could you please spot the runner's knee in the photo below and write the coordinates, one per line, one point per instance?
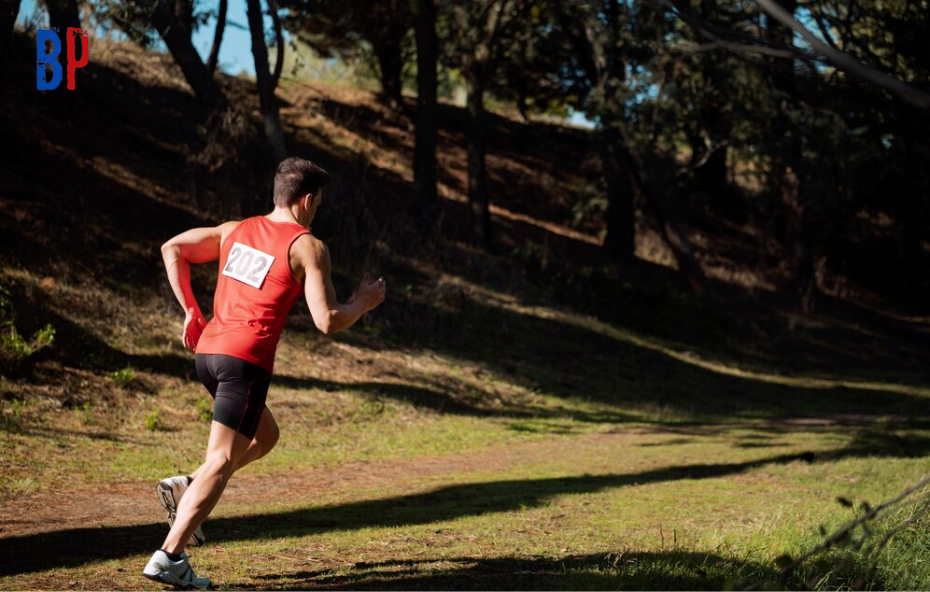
(271, 438)
(220, 463)
(268, 433)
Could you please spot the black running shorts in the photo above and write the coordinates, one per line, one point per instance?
(239, 389)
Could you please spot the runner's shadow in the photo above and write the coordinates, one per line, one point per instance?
(74, 547)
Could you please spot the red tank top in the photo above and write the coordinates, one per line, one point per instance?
(255, 291)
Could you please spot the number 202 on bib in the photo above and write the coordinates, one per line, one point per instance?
(248, 265)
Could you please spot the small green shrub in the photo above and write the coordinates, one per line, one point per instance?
(83, 413)
(18, 348)
(123, 377)
(14, 347)
(590, 205)
(204, 410)
(12, 421)
(153, 420)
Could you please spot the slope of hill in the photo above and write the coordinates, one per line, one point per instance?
(97, 180)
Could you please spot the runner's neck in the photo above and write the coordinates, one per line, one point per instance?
(282, 215)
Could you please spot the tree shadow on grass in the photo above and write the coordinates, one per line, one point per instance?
(443, 399)
(76, 346)
(661, 570)
(578, 358)
(74, 547)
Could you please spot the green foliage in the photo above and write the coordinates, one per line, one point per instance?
(123, 377)
(18, 347)
(153, 421)
(132, 18)
(83, 412)
(591, 204)
(13, 420)
(303, 62)
(204, 410)
(373, 40)
(15, 348)
(530, 252)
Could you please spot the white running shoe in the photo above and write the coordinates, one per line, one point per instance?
(169, 493)
(175, 573)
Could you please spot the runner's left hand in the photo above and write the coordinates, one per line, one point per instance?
(193, 327)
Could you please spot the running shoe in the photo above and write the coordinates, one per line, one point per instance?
(161, 569)
(169, 493)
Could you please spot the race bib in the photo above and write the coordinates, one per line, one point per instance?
(248, 265)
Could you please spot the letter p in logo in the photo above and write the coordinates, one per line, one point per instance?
(73, 63)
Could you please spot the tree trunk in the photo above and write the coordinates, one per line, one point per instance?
(426, 199)
(267, 102)
(217, 38)
(477, 142)
(712, 176)
(673, 231)
(179, 43)
(712, 179)
(787, 170)
(279, 44)
(653, 188)
(619, 244)
(907, 208)
(8, 13)
(391, 66)
(797, 240)
(908, 230)
(184, 15)
(610, 72)
(64, 14)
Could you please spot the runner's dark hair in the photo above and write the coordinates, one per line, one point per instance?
(295, 178)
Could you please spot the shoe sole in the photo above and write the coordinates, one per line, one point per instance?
(166, 497)
(165, 577)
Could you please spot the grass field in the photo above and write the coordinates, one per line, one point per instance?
(579, 456)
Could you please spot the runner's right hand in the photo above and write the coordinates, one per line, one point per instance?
(371, 293)
(193, 327)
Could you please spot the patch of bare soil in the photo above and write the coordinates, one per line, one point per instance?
(130, 503)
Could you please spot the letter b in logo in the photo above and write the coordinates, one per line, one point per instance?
(48, 58)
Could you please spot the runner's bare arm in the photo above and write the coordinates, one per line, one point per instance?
(329, 315)
(198, 245)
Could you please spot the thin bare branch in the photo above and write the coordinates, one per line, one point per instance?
(748, 44)
(846, 62)
(217, 37)
(824, 30)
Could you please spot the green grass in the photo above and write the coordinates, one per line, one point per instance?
(567, 454)
(552, 504)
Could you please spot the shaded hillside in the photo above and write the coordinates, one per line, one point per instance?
(91, 189)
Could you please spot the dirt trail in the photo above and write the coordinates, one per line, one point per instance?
(131, 503)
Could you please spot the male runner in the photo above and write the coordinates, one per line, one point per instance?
(264, 263)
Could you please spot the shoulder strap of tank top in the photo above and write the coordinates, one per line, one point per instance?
(232, 233)
(298, 232)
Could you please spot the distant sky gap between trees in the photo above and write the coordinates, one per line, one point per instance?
(236, 50)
